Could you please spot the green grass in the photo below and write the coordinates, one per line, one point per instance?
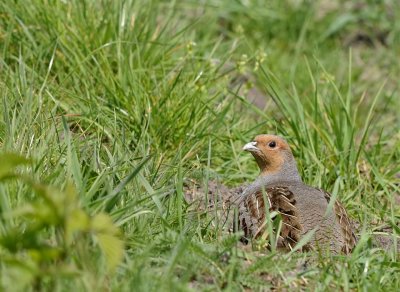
(115, 103)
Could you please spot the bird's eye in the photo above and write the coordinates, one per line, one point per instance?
(272, 144)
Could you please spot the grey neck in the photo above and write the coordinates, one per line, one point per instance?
(287, 174)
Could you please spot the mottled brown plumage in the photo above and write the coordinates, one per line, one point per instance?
(303, 209)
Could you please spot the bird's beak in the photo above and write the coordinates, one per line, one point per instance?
(250, 147)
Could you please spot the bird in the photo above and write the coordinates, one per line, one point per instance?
(302, 209)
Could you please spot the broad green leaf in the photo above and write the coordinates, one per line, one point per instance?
(102, 223)
(9, 161)
(108, 239)
(112, 247)
(75, 221)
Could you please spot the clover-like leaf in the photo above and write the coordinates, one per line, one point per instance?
(108, 239)
(9, 161)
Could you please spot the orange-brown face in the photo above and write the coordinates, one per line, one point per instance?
(269, 151)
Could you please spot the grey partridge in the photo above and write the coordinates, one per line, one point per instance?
(279, 189)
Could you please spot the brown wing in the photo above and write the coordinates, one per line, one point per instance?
(252, 215)
(345, 224)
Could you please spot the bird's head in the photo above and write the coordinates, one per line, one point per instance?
(272, 154)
